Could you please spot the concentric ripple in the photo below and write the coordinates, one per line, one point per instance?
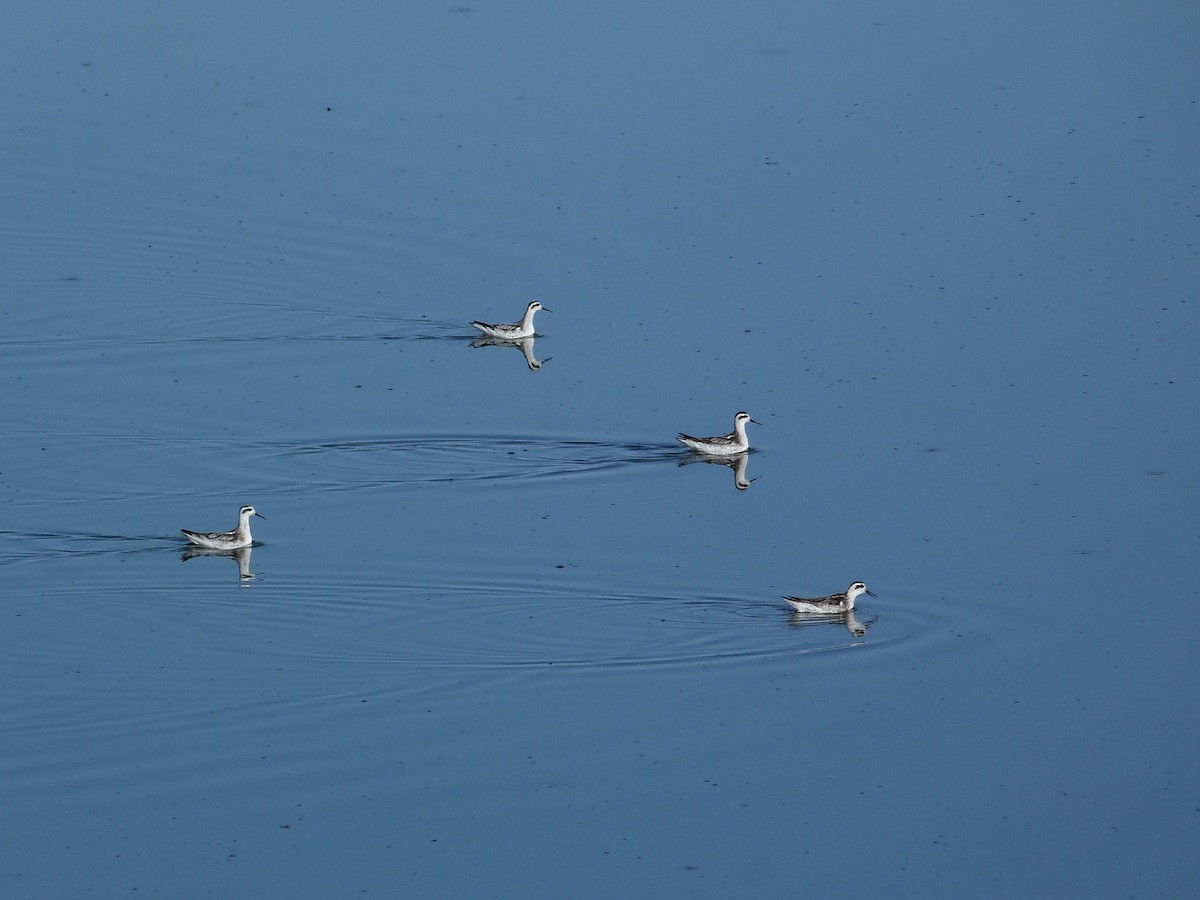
(570, 621)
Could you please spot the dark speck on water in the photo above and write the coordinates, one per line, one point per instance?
(194, 269)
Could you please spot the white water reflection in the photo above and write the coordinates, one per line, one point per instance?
(524, 345)
(849, 620)
(241, 556)
(738, 463)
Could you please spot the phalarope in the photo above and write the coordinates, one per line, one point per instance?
(517, 330)
(725, 444)
(834, 603)
(226, 540)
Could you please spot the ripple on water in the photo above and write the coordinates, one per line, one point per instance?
(455, 624)
(452, 621)
(466, 628)
(355, 464)
(306, 465)
(43, 546)
(106, 648)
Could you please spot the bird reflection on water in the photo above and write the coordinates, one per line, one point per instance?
(525, 345)
(241, 556)
(852, 623)
(737, 463)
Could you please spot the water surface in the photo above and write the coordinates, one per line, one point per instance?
(504, 636)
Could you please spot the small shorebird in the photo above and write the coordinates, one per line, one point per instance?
(725, 444)
(517, 330)
(226, 540)
(834, 603)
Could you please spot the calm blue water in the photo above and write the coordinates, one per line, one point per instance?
(504, 637)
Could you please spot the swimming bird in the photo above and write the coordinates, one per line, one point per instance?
(226, 540)
(516, 331)
(834, 603)
(725, 444)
